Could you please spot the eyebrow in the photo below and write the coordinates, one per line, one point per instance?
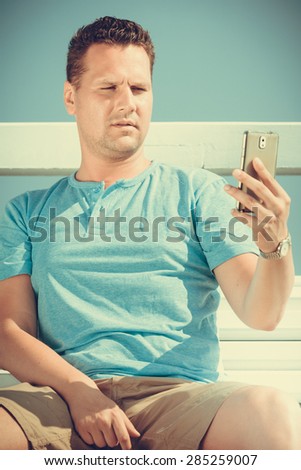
(110, 82)
(105, 81)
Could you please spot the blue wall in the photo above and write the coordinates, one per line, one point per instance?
(217, 60)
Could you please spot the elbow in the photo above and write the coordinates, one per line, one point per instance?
(265, 319)
(271, 326)
(265, 323)
(262, 326)
(272, 323)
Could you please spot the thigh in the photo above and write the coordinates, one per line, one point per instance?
(171, 413)
(43, 417)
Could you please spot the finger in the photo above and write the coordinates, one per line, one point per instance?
(132, 430)
(253, 220)
(109, 435)
(124, 430)
(130, 427)
(268, 179)
(86, 437)
(244, 217)
(262, 194)
(245, 199)
(122, 435)
(99, 439)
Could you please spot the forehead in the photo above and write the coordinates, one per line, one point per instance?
(104, 59)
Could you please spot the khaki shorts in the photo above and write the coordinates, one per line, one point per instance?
(169, 413)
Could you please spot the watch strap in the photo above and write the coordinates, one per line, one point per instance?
(277, 254)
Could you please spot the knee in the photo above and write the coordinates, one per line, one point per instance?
(275, 415)
(12, 436)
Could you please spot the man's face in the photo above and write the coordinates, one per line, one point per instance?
(113, 103)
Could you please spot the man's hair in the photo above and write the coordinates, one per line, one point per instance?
(106, 30)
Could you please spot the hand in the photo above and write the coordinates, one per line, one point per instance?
(99, 420)
(270, 214)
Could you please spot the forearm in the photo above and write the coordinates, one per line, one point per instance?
(30, 360)
(265, 288)
(268, 293)
(96, 417)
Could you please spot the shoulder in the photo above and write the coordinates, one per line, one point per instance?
(197, 182)
(29, 202)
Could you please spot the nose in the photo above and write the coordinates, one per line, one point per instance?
(126, 100)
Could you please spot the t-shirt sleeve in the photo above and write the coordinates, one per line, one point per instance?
(221, 235)
(15, 245)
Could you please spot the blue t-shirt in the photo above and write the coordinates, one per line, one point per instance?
(124, 275)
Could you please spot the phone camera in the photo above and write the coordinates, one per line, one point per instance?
(262, 142)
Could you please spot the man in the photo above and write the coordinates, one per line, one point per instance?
(120, 263)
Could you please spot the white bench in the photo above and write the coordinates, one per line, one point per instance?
(251, 356)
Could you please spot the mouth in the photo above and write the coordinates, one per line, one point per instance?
(124, 123)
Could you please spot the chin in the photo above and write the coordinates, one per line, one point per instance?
(125, 148)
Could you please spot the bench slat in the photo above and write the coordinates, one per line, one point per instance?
(53, 147)
(289, 329)
(287, 381)
(261, 355)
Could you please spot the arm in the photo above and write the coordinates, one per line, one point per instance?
(97, 418)
(258, 289)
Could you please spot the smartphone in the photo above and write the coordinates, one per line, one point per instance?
(257, 144)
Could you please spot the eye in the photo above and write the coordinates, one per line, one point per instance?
(137, 89)
(108, 88)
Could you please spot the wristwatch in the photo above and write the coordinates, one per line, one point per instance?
(281, 250)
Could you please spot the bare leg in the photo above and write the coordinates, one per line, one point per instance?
(12, 435)
(255, 417)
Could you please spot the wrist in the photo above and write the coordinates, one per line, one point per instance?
(281, 250)
(75, 385)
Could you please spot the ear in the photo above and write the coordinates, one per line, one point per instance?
(69, 98)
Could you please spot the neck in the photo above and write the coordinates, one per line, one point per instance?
(112, 170)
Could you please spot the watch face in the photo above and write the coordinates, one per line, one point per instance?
(284, 248)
